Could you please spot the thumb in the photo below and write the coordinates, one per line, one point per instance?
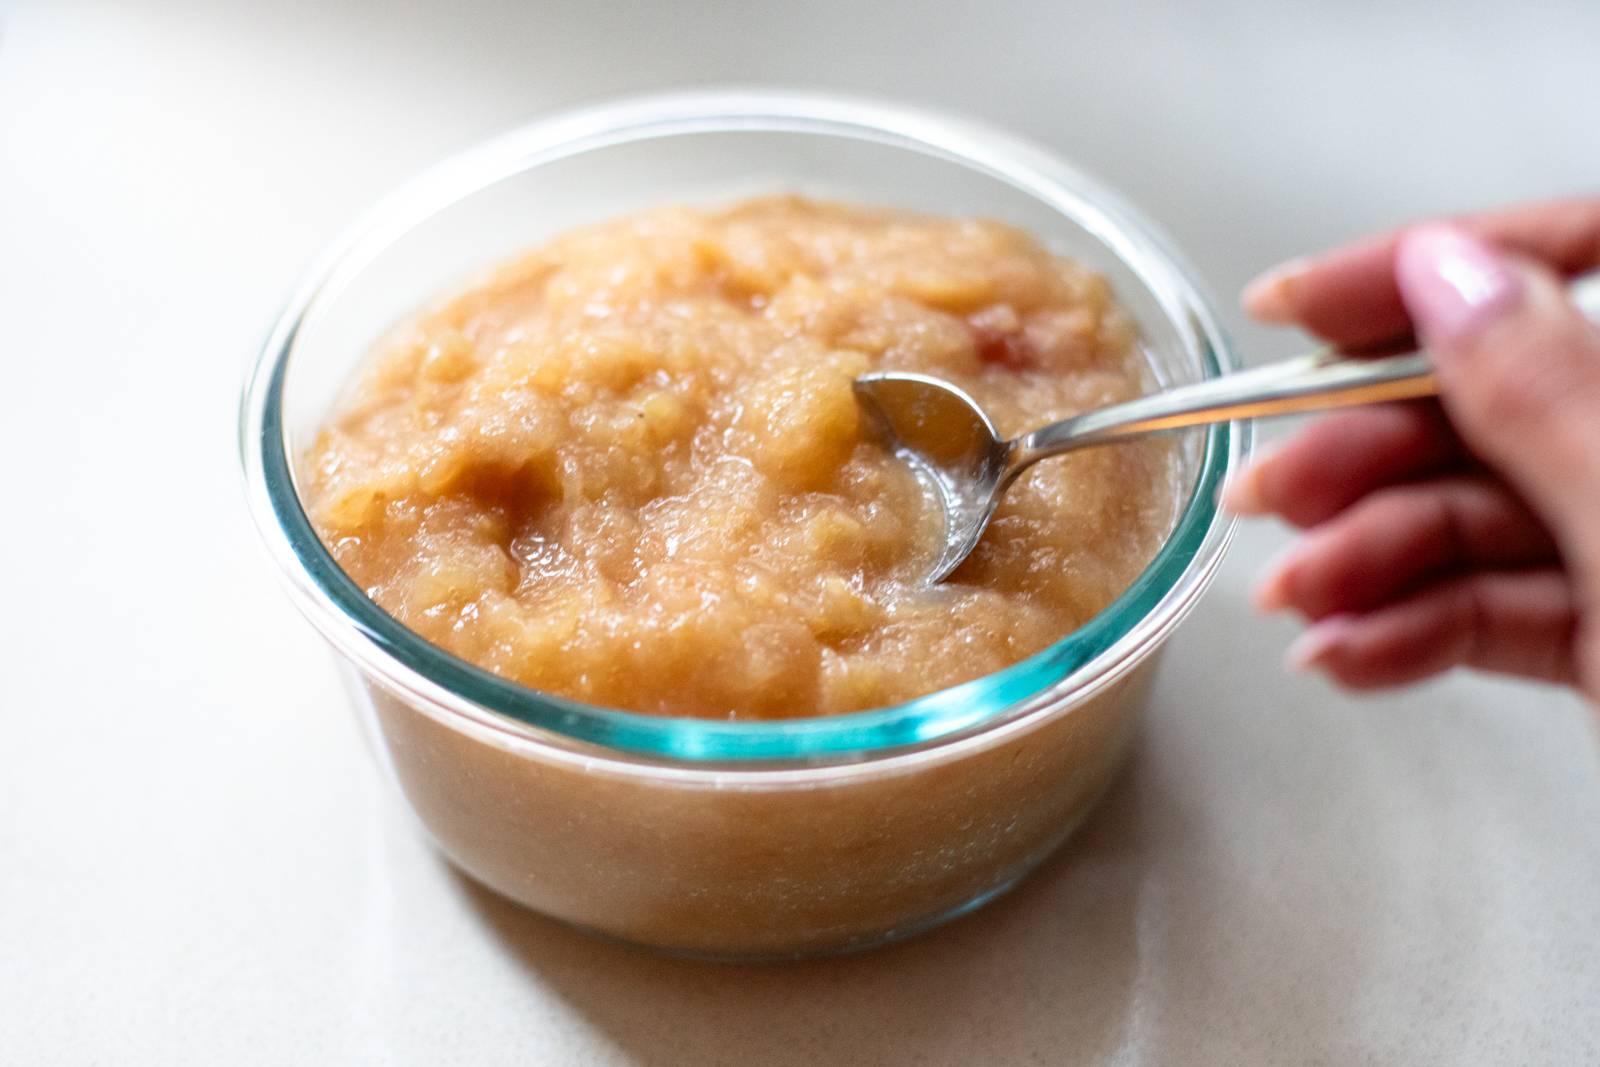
(1518, 367)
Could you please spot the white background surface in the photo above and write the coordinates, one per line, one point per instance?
(197, 864)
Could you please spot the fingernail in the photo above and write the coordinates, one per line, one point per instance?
(1312, 647)
(1241, 493)
(1267, 297)
(1272, 591)
(1453, 283)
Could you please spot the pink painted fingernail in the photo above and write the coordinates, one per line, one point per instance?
(1272, 593)
(1453, 283)
(1312, 647)
(1241, 493)
(1267, 297)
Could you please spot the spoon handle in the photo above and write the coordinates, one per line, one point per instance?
(1323, 379)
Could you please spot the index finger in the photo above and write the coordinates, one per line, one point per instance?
(1348, 295)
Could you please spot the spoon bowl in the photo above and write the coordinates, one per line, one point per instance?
(950, 443)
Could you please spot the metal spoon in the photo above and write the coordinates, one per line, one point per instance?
(943, 433)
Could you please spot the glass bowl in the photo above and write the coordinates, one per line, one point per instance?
(735, 839)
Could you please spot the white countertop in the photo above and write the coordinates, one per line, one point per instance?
(198, 863)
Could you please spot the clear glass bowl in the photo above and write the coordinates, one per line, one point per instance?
(709, 837)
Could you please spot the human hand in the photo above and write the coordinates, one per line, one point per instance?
(1459, 532)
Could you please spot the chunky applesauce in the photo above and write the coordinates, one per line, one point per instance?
(629, 467)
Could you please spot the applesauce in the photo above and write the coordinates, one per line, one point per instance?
(629, 468)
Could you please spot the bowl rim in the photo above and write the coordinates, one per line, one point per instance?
(1053, 680)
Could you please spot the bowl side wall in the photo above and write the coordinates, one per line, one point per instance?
(707, 867)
